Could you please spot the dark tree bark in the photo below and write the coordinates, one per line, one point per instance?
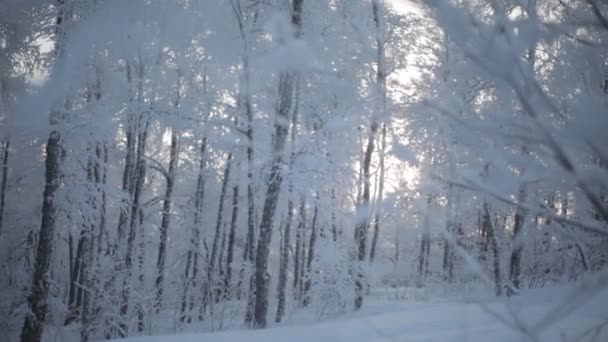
(520, 215)
(138, 182)
(191, 271)
(96, 178)
(220, 212)
(423, 258)
(35, 318)
(381, 74)
(184, 304)
(447, 257)
(116, 248)
(425, 246)
(83, 249)
(6, 145)
(92, 304)
(397, 249)
(246, 106)
(191, 274)
(250, 250)
(310, 258)
(491, 231)
(298, 259)
(128, 173)
(363, 207)
(449, 228)
(286, 90)
(515, 259)
(90, 271)
(139, 308)
(482, 237)
(218, 288)
(372, 251)
(363, 211)
(167, 202)
(284, 264)
(126, 287)
(75, 287)
(215, 247)
(166, 214)
(286, 237)
(37, 301)
(231, 239)
(270, 203)
(302, 270)
(334, 224)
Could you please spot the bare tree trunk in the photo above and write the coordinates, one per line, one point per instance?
(218, 231)
(286, 92)
(298, 261)
(284, 264)
(381, 74)
(459, 234)
(116, 250)
(191, 271)
(133, 222)
(92, 250)
(167, 202)
(363, 208)
(141, 270)
(422, 259)
(187, 280)
(245, 102)
(231, 239)
(124, 307)
(91, 274)
(204, 291)
(334, 224)
(83, 249)
(217, 293)
(397, 247)
(372, 252)
(250, 250)
(5, 154)
(127, 177)
(166, 214)
(310, 257)
(245, 96)
(447, 254)
(425, 245)
(38, 307)
(449, 229)
(363, 211)
(270, 203)
(487, 223)
(482, 238)
(75, 287)
(35, 318)
(286, 238)
(85, 276)
(515, 259)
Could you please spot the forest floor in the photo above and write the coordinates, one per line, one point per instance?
(519, 318)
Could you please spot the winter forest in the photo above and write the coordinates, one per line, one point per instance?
(330, 170)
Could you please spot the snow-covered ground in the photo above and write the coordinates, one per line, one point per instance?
(517, 319)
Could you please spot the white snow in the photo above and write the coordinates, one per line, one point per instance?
(383, 319)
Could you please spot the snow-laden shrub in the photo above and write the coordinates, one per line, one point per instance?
(332, 290)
